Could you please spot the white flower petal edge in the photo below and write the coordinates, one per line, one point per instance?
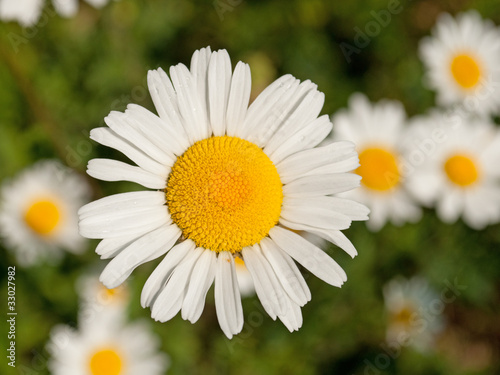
(206, 100)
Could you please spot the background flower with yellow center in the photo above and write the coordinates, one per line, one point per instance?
(459, 176)
(38, 212)
(408, 303)
(106, 344)
(231, 180)
(378, 130)
(96, 299)
(462, 59)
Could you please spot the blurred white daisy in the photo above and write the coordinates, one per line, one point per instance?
(38, 212)
(106, 345)
(378, 131)
(414, 313)
(97, 299)
(462, 58)
(460, 177)
(225, 175)
(28, 12)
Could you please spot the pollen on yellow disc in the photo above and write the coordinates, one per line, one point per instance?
(42, 217)
(224, 193)
(378, 169)
(466, 71)
(461, 170)
(106, 362)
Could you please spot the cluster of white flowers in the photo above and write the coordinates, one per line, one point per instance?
(445, 159)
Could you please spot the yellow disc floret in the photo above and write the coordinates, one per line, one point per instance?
(105, 362)
(466, 71)
(378, 169)
(42, 217)
(461, 170)
(224, 193)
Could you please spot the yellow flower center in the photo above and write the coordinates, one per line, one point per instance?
(106, 362)
(378, 169)
(461, 170)
(115, 295)
(42, 217)
(224, 193)
(404, 316)
(466, 71)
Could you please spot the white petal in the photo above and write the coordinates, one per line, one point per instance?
(281, 113)
(293, 317)
(144, 139)
(165, 136)
(162, 272)
(146, 248)
(261, 108)
(286, 271)
(308, 137)
(309, 256)
(315, 216)
(334, 236)
(199, 71)
(123, 222)
(219, 81)
(165, 99)
(307, 161)
(108, 137)
(317, 185)
(450, 206)
(110, 247)
(353, 210)
(123, 201)
(267, 286)
(66, 8)
(114, 170)
(302, 108)
(193, 112)
(227, 296)
(169, 301)
(201, 280)
(239, 96)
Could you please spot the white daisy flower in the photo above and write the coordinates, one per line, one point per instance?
(460, 177)
(38, 212)
(28, 12)
(226, 175)
(378, 132)
(106, 345)
(414, 313)
(462, 58)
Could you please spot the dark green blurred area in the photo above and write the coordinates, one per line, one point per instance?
(62, 77)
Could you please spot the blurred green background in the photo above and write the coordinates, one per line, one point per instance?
(60, 79)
